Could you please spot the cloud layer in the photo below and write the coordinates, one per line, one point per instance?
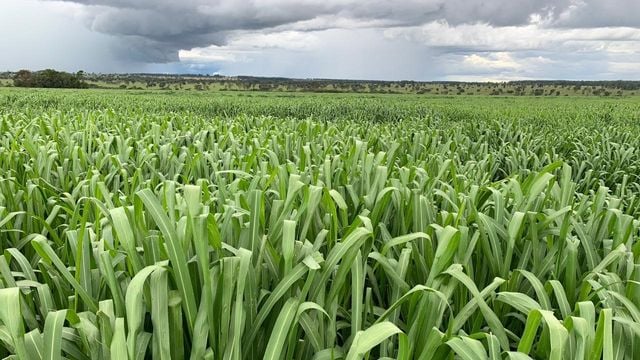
(386, 39)
(156, 30)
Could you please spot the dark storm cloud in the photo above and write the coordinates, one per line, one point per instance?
(155, 30)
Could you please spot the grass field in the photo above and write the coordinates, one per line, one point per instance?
(173, 225)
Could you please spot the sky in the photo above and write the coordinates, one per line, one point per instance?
(459, 40)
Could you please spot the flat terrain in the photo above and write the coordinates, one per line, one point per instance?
(216, 225)
(217, 83)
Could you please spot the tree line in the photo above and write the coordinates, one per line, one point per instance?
(49, 78)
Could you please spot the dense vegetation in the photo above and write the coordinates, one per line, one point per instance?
(167, 226)
(49, 79)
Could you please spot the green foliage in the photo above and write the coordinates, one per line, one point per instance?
(175, 227)
(49, 79)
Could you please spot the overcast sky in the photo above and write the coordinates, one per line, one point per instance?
(357, 39)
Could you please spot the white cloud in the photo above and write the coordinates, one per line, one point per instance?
(511, 38)
(241, 46)
(494, 61)
(291, 40)
(215, 54)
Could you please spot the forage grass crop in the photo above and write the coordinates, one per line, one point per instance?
(175, 227)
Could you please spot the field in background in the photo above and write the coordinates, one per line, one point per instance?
(217, 83)
(332, 226)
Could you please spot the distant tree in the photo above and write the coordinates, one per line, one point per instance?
(23, 78)
(48, 79)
